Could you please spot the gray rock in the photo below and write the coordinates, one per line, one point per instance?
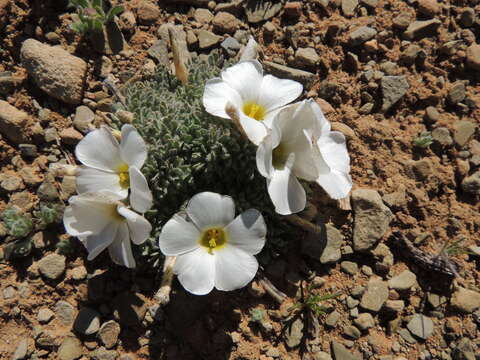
(431, 114)
(21, 350)
(349, 267)
(395, 306)
(364, 321)
(64, 312)
(421, 326)
(360, 35)
(231, 46)
(259, 11)
(325, 246)
(54, 70)
(52, 266)
(87, 321)
(393, 89)
(403, 281)
(70, 349)
(332, 319)
(369, 3)
(375, 295)
(471, 184)
(281, 71)
(441, 135)
(457, 93)
(464, 131)
(224, 22)
(407, 336)
(351, 302)
(83, 118)
(402, 20)
(207, 39)
(45, 315)
(104, 354)
(294, 333)
(352, 332)
(340, 352)
(321, 355)
(307, 57)
(372, 218)
(203, 16)
(108, 333)
(421, 29)
(13, 123)
(473, 57)
(464, 350)
(348, 7)
(465, 300)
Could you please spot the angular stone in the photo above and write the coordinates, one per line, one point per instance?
(64, 312)
(281, 71)
(421, 326)
(403, 281)
(70, 349)
(428, 7)
(441, 135)
(421, 29)
(393, 89)
(83, 118)
(203, 16)
(364, 321)
(352, 332)
(54, 70)
(294, 333)
(348, 7)
(21, 350)
(148, 13)
(360, 35)
(349, 267)
(394, 305)
(463, 132)
(87, 321)
(45, 315)
(473, 56)
(471, 184)
(13, 123)
(225, 22)
(456, 93)
(306, 57)
(340, 352)
(52, 266)
(325, 246)
(375, 295)
(372, 218)
(207, 39)
(465, 300)
(332, 319)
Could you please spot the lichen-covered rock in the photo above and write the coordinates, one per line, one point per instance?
(54, 70)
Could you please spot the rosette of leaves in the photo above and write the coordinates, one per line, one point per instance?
(92, 16)
(191, 151)
(18, 226)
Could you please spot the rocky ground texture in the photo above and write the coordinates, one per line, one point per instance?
(384, 72)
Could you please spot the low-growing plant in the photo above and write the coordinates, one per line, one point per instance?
(256, 315)
(423, 140)
(19, 226)
(313, 302)
(92, 16)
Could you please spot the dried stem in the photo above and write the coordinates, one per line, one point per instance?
(163, 294)
(344, 203)
(108, 82)
(271, 290)
(233, 113)
(181, 71)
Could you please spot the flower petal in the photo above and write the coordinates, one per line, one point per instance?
(333, 148)
(250, 52)
(99, 150)
(286, 192)
(178, 236)
(209, 209)
(96, 243)
(196, 271)
(120, 249)
(264, 156)
(72, 226)
(247, 231)
(139, 227)
(336, 184)
(275, 92)
(217, 94)
(140, 194)
(322, 125)
(91, 180)
(133, 149)
(254, 129)
(246, 78)
(234, 268)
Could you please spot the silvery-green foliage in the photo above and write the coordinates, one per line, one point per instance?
(191, 151)
(18, 225)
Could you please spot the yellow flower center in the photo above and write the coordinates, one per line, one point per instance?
(279, 157)
(122, 171)
(213, 239)
(254, 110)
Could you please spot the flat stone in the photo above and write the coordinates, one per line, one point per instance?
(70, 136)
(224, 22)
(307, 57)
(259, 11)
(52, 266)
(457, 93)
(282, 71)
(421, 326)
(473, 57)
(349, 267)
(464, 350)
(371, 219)
(348, 7)
(13, 123)
(441, 135)
(402, 20)
(361, 35)
(64, 312)
(21, 350)
(332, 319)
(45, 315)
(465, 300)
(54, 70)
(87, 321)
(148, 13)
(108, 333)
(395, 306)
(463, 132)
(325, 246)
(203, 16)
(364, 321)
(471, 184)
(423, 28)
(393, 89)
(70, 349)
(294, 333)
(83, 118)
(431, 114)
(207, 39)
(428, 7)
(407, 336)
(104, 354)
(375, 295)
(352, 332)
(340, 352)
(403, 281)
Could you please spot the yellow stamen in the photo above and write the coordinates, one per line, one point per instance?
(254, 110)
(213, 239)
(122, 172)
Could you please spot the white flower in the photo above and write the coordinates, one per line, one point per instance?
(301, 145)
(213, 249)
(99, 220)
(256, 97)
(114, 167)
(250, 52)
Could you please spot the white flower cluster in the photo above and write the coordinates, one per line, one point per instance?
(294, 141)
(212, 247)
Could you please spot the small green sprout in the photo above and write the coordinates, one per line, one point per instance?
(92, 16)
(424, 140)
(66, 247)
(456, 248)
(257, 315)
(312, 303)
